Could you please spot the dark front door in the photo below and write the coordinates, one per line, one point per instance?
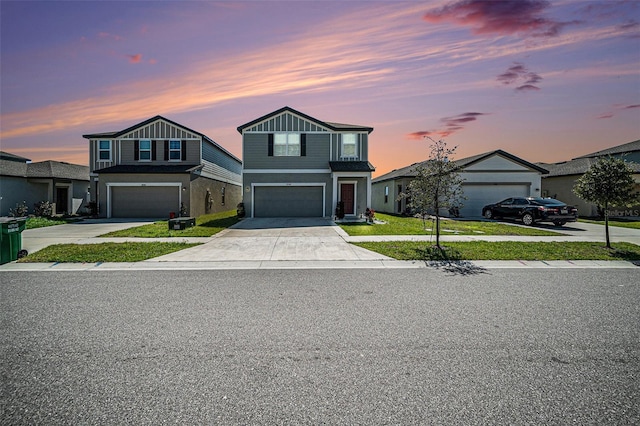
(347, 196)
(62, 198)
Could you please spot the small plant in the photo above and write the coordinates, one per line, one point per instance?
(240, 210)
(43, 209)
(20, 210)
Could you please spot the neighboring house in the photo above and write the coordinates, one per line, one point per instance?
(295, 165)
(157, 167)
(562, 178)
(488, 178)
(64, 185)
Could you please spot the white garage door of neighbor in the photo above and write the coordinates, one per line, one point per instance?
(288, 201)
(479, 196)
(144, 201)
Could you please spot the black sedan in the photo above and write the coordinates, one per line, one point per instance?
(531, 210)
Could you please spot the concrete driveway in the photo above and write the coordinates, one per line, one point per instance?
(268, 239)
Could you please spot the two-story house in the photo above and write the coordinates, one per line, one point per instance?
(158, 167)
(295, 165)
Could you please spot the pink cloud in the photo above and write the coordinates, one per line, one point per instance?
(451, 125)
(618, 108)
(518, 73)
(503, 17)
(105, 35)
(135, 59)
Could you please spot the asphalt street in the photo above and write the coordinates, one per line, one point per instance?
(407, 346)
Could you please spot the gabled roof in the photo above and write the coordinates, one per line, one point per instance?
(410, 171)
(578, 166)
(620, 149)
(117, 134)
(330, 125)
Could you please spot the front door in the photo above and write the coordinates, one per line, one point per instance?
(62, 200)
(347, 196)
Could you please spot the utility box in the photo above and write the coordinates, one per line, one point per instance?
(179, 223)
(11, 238)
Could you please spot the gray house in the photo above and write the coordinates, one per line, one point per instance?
(295, 165)
(487, 178)
(158, 167)
(62, 184)
(562, 177)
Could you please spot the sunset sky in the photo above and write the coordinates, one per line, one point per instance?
(544, 80)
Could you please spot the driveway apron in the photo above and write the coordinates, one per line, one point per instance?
(268, 239)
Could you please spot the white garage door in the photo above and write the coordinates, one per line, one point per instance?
(144, 201)
(288, 201)
(479, 195)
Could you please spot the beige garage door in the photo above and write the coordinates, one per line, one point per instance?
(480, 195)
(144, 201)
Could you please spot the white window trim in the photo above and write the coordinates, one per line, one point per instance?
(288, 144)
(179, 150)
(109, 150)
(150, 150)
(356, 146)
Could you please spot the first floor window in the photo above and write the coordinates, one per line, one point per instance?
(145, 150)
(104, 150)
(175, 150)
(286, 144)
(349, 148)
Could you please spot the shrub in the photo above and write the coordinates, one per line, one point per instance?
(43, 209)
(20, 210)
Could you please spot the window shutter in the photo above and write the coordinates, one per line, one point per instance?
(303, 145)
(153, 150)
(184, 150)
(166, 150)
(136, 150)
(270, 149)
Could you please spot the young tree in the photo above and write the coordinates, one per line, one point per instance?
(437, 184)
(608, 182)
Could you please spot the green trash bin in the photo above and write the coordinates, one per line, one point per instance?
(11, 238)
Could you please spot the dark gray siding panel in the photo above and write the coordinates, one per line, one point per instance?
(216, 156)
(255, 153)
(288, 201)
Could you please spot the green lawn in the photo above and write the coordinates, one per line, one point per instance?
(401, 225)
(104, 252)
(41, 222)
(206, 226)
(614, 222)
(504, 250)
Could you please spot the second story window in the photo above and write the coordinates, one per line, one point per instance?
(145, 150)
(175, 150)
(104, 150)
(286, 144)
(349, 145)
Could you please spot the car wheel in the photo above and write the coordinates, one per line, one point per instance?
(559, 223)
(527, 219)
(488, 214)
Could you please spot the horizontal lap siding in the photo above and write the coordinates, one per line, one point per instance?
(256, 147)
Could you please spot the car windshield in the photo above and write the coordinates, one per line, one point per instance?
(547, 201)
